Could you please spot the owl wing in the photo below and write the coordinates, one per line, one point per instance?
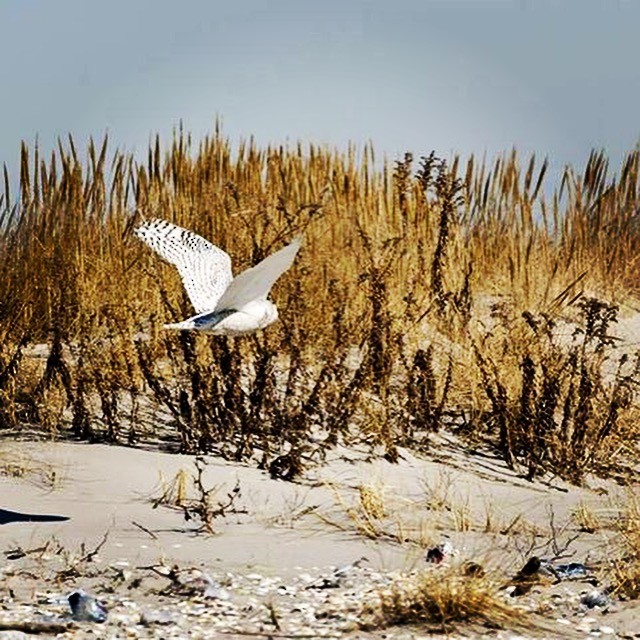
(256, 282)
(204, 268)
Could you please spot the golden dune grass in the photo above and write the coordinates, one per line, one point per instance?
(384, 331)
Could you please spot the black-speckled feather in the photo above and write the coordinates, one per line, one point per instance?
(204, 268)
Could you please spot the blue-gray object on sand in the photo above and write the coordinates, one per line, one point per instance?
(571, 570)
(85, 608)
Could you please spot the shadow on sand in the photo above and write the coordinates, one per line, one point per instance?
(7, 517)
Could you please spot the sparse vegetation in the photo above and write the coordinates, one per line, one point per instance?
(443, 599)
(199, 507)
(17, 462)
(552, 406)
(386, 334)
(418, 522)
(626, 569)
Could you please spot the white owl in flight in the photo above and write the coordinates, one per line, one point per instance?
(224, 305)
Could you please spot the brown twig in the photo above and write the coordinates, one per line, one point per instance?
(147, 531)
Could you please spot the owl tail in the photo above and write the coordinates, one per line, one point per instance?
(185, 325)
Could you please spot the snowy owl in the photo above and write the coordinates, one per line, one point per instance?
(224, 305)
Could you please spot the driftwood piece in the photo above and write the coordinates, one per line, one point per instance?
(35, 626)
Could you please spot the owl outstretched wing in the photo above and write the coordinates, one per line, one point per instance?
(256, 282)
(204, 268)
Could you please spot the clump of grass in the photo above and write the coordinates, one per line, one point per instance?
(586, 519)
(375, 512)
(19, 462)
(366, 515)
(441, 598)
(372, 499)
(174, 492)
(626, 570)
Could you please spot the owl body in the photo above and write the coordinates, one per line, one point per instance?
(254, 316)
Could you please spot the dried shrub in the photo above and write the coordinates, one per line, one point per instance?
(554, 406)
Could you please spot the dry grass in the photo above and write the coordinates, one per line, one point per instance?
(392, 285)
(626, 569)
(552, 406)
(441, 598)
(587, 519)
(370, 513)
(173, 493)
(380, 511)
(17, 462)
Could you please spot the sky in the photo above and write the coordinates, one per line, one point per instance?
(557, 78)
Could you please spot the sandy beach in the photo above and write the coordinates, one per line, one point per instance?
(278, 538)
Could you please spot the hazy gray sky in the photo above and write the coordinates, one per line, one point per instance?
(555, 77)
